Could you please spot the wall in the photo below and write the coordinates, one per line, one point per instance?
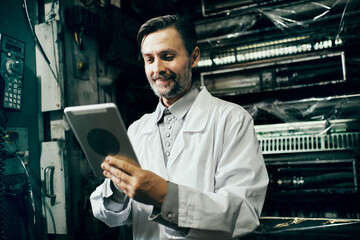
(13, 22)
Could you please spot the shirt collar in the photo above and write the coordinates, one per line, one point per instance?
(181, 106)
(200, 110)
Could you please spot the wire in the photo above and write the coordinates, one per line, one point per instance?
(33, 32)
(54, 52)
(29, 187)
(52, 14)
(3, 157)
(37, 42)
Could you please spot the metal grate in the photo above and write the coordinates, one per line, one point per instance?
(310, 143)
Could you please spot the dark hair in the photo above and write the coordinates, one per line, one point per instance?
(183, 25)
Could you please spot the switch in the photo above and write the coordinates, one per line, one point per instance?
(11, 136)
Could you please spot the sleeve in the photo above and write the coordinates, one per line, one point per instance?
(169, 211)
(241, 180)
(168, 214)
(110, 205)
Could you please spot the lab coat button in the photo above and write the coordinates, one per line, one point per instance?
(170, 216)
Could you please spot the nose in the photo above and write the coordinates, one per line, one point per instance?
(159, 67)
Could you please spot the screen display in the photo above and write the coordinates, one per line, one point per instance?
(12, 47)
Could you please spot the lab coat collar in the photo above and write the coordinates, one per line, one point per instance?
(181, 106)
(198, 115)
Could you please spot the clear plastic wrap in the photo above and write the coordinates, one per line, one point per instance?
(291, 18)
(308, 125)
(312, 109)
(276, 226)
(245, 34)
(271, 29)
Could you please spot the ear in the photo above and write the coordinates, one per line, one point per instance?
(195, 57)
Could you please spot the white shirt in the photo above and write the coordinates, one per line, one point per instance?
(218, 166)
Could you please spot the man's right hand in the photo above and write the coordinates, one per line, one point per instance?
(142, 185)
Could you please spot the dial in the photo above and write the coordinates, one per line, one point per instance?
(13, 66)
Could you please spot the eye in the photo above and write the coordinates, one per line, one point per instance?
(149, 60)
(169, 57)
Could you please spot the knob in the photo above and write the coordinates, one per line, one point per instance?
(13, 66)
(11, 136)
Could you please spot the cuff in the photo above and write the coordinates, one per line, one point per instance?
(170, 206)
(169, 211)
(118, 195)
(115, 200)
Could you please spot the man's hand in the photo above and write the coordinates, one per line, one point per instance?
(141, 185)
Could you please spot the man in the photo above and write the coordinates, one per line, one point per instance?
(202, 173)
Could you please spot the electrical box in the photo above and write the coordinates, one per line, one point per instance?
(11, 71)
(16, 141)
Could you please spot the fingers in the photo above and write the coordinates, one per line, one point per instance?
(123, 158)
(116, 181)
(125, 164)
(142, 185)
(113, 173)
(119, 171)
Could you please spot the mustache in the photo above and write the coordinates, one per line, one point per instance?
(165, 76)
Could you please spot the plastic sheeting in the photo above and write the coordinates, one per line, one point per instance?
(307, 228)
(307, 14)
(290, 17)
(257, 30)
(312, 109)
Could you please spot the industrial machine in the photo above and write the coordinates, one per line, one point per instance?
(294, 65)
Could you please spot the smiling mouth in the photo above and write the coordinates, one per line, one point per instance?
(159, 81)
(162, 81)
(161, 78)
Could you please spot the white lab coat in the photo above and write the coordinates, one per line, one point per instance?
(218, 165)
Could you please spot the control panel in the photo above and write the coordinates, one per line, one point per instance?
(11, 71)
(16, 145)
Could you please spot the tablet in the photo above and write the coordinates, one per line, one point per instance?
(100, 132)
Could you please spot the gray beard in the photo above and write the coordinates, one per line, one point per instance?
(176, 88)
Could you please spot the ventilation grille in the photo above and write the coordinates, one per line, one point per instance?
(310, 143)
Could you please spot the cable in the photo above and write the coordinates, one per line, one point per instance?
(29, 187)
(52, 14)
(3, 157)
(54, 53)
(33, 32)
(37, 42)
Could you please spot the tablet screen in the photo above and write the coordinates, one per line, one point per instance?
(100, 132)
